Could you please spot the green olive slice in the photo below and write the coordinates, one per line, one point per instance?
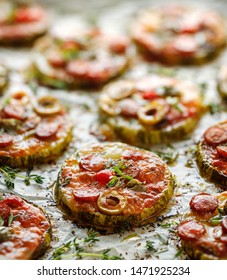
(121, 89)
(111, 203)
(20, 97)
(47, 105)
(109, 106)
(153, 112)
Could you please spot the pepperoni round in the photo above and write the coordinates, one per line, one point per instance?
(216, 135)
(46, 130)
(29, 14)
(185, 45)
(134, 155)
(224, 224)
(4, 211)
(86, 194)
(56, 60)
(92, 163)
(5, 140)
(222, 151)
(190, 230)
(13, 201)
(203, 203)
(118, 45)
(94, 70)
(129, 108)
(14, 112)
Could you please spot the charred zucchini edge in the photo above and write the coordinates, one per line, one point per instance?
(145, 137)
(207, 169)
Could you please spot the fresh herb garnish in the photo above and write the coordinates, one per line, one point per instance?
(11, 174)
(178, 253)
(82, 249)
(150, 246)
(11, 219)
(174, 102)
(119, 175)
(215, 108)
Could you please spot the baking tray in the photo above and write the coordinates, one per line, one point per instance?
(116, 16)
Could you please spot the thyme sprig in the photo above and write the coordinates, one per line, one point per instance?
(82, 249)
(11, 174)
(119, 175)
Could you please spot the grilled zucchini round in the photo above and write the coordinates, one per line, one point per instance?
(25, 230)
(212, 154)
(113, 186)
(150, 110)
(33, 130)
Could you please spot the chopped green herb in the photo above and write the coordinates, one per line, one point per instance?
(11, 219)
(178, 253)
(150, 246)
(215, 108)
(216, 220)
(119, 176)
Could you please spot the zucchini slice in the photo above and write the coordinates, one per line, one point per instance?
(25, 231)
(67, 63)
(158, 110)
(203, 233)
(113, 186)
(22, 23)
(210, 158)
(171, 34)
(32, 130)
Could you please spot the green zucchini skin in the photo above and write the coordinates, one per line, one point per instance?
(45, 244)
(36, 73)
(185, 61)
(46, 237)
(113, 223)
(45, 155)
(196, 254)
(142, 136)
(207, 170)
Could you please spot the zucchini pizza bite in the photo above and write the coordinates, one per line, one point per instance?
(32, 130)
(87, 58)
(212, 153)
(113, 186)
(150, 110)
(222, 81)
(25, 230)
(179, 35)
(203, 233)
(21, 23)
